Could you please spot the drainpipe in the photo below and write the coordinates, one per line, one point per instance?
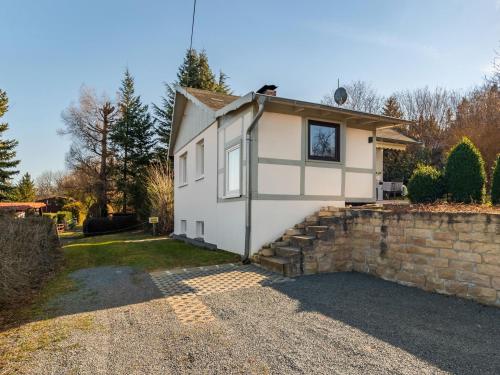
(248, 201)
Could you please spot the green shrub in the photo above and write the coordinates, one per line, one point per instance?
(464, 173)
(65, 217)
(112, 224)
(51, 216)
(77, 209)
(495, 182)
(425, 185)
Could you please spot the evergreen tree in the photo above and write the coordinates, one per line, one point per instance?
(25, 189)
(133, 141)
(194, 72)
(8, 163)
(392, 107)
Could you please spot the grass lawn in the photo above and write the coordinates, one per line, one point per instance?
(139, 250)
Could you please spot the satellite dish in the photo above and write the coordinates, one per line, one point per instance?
(340, 96)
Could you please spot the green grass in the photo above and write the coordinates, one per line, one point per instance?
(141, 251)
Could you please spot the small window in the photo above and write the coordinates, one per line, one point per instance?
(233, 171)
(183, 169)
(324, 141)
(200, 229)
(200, 159)
(183, 226)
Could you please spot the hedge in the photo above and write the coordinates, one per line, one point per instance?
(29, 254)
(115, 223)
(464, 173)
(425, 185)
(495, 182)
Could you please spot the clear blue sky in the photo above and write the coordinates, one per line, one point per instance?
(49, 48)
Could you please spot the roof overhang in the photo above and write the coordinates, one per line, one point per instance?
(390, 145)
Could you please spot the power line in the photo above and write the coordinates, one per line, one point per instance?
(192, 27)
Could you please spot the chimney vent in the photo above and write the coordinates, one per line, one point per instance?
(268, 90)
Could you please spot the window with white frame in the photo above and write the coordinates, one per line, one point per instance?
(200, 159)
(183, 169)
(183, 226)
(233, 172)
(200, 229)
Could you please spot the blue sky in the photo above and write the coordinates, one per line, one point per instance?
(49, 48)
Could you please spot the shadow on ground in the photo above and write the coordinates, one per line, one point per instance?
(453, 334)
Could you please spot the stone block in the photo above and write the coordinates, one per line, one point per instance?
(474, 278)
(489, 269)
(475, 236)
(460, 255)
(359, 266)
(420, 233)
(444, 235)
(410, 278)
(491, 259)
(386, 273)
(456, 288)
(483, 295)
(463, 266)
(427, 224)
(439, 262)
(420, 269)
(447, 273)
(411, 249)
(343, 266)
(462, 227)
(416, 241)
(441, 244)
(459, 245)
(479, 247)
(420, 259)
(434, 284)
(495, 283)
(310, 268)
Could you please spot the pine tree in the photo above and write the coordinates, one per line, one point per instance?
(133, 142)
(194, 72)
(25, 189)
(8, 163)
(392, 107)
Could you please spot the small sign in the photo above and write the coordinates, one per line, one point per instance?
(153, 220)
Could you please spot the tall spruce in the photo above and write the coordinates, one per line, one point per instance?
(8, 163)
(25, 189)
(194, 72)
(133, 139)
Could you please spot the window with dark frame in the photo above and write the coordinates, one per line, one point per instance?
(323, 141)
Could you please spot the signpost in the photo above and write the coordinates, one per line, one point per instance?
(153, 220)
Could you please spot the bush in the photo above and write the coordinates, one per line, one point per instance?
(51, 216)
(425, 185)
(115, 223)
(77, 209)
(495, 182)
(29, 253)
(64, 217)
(464, 173)
(160, 189)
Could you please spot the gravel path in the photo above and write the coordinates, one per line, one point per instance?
(327, 324)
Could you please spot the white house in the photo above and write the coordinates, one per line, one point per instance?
(246, 168)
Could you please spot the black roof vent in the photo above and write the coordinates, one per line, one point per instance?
(268, 90)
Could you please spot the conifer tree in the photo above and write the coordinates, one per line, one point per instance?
(194, 72)
(133, 141)
(392, 107)
(25, 189)
(8, 163)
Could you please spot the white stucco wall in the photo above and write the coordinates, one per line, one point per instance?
(278, 179)
(358, 185)
(280, 136)
(323, 181)
(359, 153)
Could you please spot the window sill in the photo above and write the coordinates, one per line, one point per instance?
(182, 185)
(230, 196)
(199, 178)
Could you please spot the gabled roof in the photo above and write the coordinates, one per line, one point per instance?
(392, 135)
(212, 100)
(21, 206)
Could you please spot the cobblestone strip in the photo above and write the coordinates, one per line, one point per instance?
(182, 287)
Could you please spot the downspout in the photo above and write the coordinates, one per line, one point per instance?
(248, 201)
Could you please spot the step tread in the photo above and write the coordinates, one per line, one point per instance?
(304, 237)
(290, 248)
(318, 226)
(276, 260)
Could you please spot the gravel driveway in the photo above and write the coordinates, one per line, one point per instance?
(344, 323)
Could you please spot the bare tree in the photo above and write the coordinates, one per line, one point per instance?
(361, 96)
(48, 183)
(89, 123)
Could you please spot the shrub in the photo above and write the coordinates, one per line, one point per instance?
(77, 209)
(425, 185)
(160, 188)
(51, 216)
(65, 217)
(464, 173)
(29, 253)
(495, 182)
(115, 223)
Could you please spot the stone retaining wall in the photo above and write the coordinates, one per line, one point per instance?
(449, 253)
